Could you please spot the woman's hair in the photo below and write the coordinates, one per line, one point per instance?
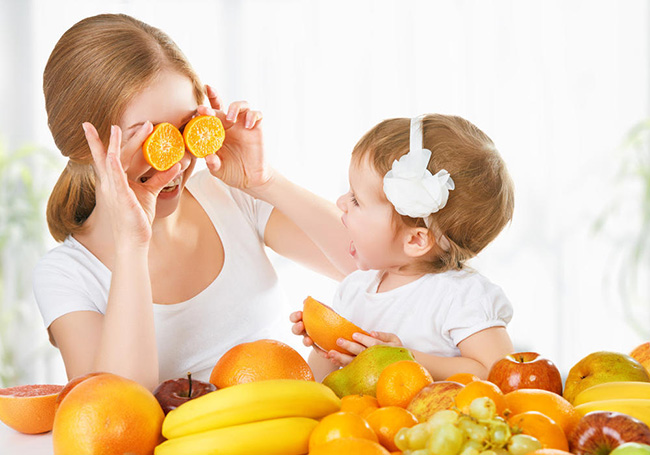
(94, 71)
(482, 202)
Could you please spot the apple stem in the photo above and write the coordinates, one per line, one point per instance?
(189, 378)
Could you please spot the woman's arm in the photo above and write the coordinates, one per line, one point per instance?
(123, 340)
(303, 226)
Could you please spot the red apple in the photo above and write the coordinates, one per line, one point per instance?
(600, 432)
(433, 398)
(174, 392)
(525, 370)
(642, 354)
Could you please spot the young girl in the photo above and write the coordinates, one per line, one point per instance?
(160, 273)
(426, 195)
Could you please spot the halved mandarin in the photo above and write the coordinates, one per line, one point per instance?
(164, 147)
(204, 135)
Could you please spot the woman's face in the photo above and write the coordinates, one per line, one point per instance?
(170, 98)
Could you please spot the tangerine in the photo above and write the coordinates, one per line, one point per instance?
(387, 421)
(463, 378)
(359, 404)
(164, 147)
(548, 403)
(340, 425)
(204, 135)
(357, 446)
(107, 414)
(477, 389)
(400, 381)
(542, 427)
(324, 326)
(257, 361)
(29, 409)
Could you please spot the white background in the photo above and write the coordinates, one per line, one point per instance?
(557, 85)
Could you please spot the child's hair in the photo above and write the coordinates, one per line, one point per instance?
(482, 202)
(94, 71)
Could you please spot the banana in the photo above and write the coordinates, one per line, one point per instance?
(251, 402)
(614, 390)
(285, 436)
(635, 407)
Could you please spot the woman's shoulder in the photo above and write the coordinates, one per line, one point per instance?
(69, 259)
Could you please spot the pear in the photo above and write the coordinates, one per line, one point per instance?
(360, 376)
(599, 367)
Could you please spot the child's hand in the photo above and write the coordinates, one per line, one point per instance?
(360, 343)
(298, 328)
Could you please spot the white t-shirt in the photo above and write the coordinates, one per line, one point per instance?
(431, 315)
(242, 304)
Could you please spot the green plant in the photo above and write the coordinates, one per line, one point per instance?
(626, 220)
(24, 186)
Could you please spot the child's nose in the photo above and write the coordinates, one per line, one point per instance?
(340, 203)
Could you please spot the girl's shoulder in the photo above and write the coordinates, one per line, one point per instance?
(462, 285)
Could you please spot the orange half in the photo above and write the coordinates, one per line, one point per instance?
(164, 147)
(324, 326)
(29, 408)
(204, 135)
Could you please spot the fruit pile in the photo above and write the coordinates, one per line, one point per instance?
(262, 399)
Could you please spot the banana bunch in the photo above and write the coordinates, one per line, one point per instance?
(271, 417)
(628, 397)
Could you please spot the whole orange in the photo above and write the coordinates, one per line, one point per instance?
(257, 361)
(542, 427)
(340, 425)
(399, 382)
(387, 421)
(324, 326)
(477, 389)
(548, 403)
(107, 414)
(356, 446)
(29, 408)
(359, 404)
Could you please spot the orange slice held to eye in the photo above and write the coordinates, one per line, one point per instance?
(324, 326)
(204, 135)
(164, 147)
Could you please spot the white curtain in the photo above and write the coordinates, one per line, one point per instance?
(556, 84)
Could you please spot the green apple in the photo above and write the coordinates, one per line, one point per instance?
(602, 366)
(631, 448)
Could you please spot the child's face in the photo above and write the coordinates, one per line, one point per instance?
(170, 98)
(367, 215)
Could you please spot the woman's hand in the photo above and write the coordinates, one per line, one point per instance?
(240, 162)
(360, 343)
(131, 205)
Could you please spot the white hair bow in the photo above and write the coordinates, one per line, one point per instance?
(410, 186)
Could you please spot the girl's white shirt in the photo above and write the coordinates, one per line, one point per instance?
(431, 315)
(242, 304)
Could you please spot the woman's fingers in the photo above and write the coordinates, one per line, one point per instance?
(252, 119)
(215, 100)
(96, 147)
(160, 179)
(138, 165)
(235, 109)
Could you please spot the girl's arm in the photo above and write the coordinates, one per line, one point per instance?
(303, 226)
(123, 340)
(477, 352)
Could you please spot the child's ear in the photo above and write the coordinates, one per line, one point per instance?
(418, 242)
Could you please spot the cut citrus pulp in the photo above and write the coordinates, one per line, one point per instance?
(204, 135)
(164, 147)
(29, 408)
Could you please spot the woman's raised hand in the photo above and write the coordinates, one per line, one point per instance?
(131, 204)
(240, 162)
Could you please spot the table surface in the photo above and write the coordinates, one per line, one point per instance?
(14, 443)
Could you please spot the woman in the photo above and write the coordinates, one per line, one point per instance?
(132, 236)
